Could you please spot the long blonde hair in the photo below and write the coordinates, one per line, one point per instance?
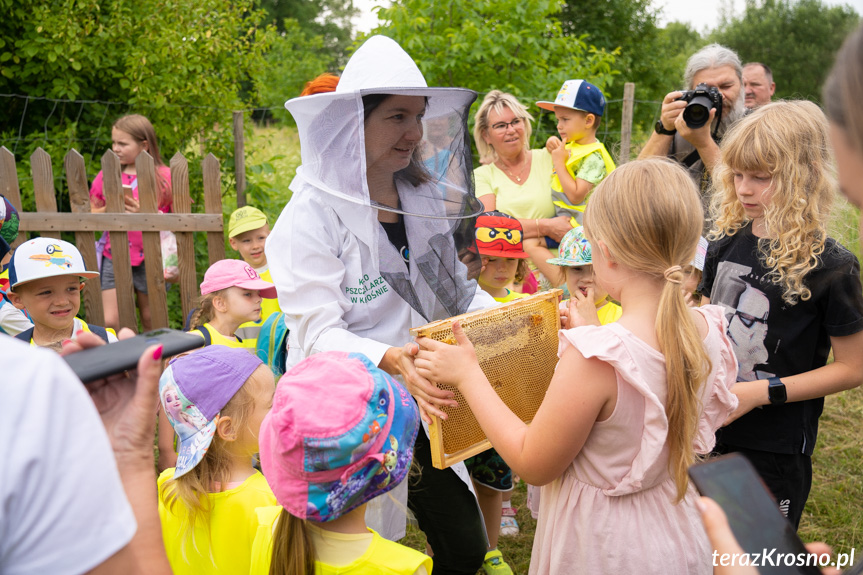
(649, 215)
(186, 496)
(204, 309)
(789, 141)
(293, 551)
(496, 101)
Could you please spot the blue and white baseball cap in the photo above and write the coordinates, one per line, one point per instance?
(578, 95)
(46, 257)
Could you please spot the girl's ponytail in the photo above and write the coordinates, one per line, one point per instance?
(204, 310)
(649, 216)
(687, 366)
(293, 553)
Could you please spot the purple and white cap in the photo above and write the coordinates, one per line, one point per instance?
(194, 389)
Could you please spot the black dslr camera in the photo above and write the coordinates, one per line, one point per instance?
(701, 100)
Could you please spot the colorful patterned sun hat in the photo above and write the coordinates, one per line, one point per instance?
(340, 433)
(574, 250)
(194, 389)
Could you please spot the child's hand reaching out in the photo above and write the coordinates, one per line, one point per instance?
(454, 365)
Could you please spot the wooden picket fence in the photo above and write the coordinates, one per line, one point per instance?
(47, 221)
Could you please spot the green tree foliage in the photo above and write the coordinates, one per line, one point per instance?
(649, 56)
(296, 56)
(182, 63)
(329, 19)
(797, 39)
(512, 45)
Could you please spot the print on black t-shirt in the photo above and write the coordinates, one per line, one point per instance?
(746, 309)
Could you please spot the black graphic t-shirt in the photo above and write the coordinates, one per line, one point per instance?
(398, 237)
(771, 337)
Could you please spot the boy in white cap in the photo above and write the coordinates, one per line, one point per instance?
(45, 280)
(248, 229)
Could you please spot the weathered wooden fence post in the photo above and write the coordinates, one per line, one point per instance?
(79, 200)
(43, 185)
(121, 262)
(626, 123)
(239, 159)
(149, 189)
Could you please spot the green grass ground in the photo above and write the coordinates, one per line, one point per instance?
(834, 512)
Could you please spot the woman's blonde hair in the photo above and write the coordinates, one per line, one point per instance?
(496, 101)
(788, 141)
(648, 214)
(186, 496)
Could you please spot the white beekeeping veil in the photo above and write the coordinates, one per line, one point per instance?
(439, 215)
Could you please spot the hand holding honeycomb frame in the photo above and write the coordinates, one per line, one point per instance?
(516, 345)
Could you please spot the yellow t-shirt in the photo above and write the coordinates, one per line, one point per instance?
(226, 547)
(529, 200)
(510, 296)
(218, 339)
(249, 331)
(341, 553)
(609, 313)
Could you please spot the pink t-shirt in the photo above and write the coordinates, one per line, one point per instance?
(136, 240)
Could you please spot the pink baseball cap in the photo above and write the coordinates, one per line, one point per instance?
(235, 273)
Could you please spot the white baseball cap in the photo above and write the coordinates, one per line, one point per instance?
(46, 257)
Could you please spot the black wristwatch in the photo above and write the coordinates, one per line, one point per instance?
(776, 391)
(660, 129)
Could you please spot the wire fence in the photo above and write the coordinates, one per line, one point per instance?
(56, 123)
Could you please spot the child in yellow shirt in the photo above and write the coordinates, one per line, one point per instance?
(248, 229)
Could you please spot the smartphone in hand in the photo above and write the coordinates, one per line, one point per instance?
(105, 360)
(768, 539)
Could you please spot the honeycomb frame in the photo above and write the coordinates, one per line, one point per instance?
(499, 335)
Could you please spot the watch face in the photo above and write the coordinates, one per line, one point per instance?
(776, 393)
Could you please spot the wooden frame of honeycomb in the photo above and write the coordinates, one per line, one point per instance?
(516, 345)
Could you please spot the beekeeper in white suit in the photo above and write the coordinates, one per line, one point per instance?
(372, 244)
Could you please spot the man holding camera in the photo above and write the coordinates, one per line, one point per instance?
(691, 123)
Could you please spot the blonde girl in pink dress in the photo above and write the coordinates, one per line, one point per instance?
(631, 404)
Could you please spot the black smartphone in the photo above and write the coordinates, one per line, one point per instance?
(768, 539)
(100, 362)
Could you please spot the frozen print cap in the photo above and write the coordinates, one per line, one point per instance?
(340, 433)
(46, 257)
(194, 389)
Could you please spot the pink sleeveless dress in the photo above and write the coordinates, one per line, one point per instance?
(612, 509)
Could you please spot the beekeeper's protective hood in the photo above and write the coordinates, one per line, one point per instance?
(439, 215)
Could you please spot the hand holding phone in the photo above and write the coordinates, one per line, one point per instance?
(766, 542)
(102, 361)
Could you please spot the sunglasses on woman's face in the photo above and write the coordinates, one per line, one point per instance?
(502, 126)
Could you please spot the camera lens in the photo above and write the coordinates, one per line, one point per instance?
(697, 112)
